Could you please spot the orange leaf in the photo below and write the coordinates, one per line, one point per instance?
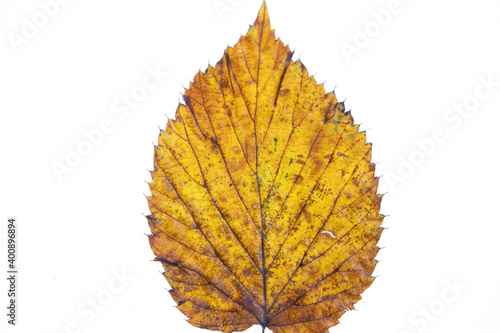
(264, 204)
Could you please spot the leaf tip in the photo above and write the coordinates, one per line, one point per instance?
(263, 11)
(262, 19)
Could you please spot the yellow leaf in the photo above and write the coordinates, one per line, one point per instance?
(264, 204)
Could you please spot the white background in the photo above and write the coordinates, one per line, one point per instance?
(76, 233)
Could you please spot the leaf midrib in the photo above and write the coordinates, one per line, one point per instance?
(263, 257)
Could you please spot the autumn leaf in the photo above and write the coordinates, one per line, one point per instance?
(264, 204)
